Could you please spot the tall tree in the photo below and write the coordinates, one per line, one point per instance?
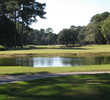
(21, 13)
(29, 10)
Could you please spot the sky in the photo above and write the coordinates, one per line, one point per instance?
(64, 13)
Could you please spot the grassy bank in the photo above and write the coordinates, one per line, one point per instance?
(5, 70)
(77, 87)
(57, 50)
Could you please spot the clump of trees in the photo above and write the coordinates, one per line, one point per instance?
(69, 36)
(15, 18)
(42, 37)
(96, 32)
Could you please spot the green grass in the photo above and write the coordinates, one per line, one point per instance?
(77, 87)
(55, 50)
(5, 70)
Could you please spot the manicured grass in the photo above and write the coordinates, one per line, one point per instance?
(52, 50)
(5, 70)
(77, 87)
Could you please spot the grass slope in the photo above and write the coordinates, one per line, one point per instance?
(77, 87)
(5, 70)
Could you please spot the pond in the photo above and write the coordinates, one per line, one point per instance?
(54, 61)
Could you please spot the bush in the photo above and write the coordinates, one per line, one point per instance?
(2, 48)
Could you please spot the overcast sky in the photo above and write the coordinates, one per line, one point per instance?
(64, 13)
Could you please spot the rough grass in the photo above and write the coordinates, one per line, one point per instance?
(77, 87)
(51, 50)
(7, 70)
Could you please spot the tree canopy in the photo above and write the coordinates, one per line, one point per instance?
(18, 15)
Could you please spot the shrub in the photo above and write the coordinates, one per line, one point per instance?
(2, 48)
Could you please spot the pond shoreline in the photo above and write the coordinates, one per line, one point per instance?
(58, 54)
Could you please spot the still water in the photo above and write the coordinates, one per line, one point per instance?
(54, 61)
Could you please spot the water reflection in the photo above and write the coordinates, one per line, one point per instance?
(54, 61)
(16, 62)
(49, 62)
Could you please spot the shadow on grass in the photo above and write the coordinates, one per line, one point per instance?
(64, 48)
(77, 87)
(23, 48)
(22, 73)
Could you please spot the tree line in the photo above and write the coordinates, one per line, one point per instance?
(96, 32)
(17, 15)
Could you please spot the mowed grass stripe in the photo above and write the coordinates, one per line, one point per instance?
(5, 70)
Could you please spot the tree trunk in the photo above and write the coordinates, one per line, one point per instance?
(15, 32)
(22, 31)
(108, 42)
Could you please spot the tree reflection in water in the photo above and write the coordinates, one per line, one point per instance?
(54, 61)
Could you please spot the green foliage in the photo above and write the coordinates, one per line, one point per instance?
(42, 37)
(69, 36)
(100, 17)
(94, 32)
(11, 6)
(96, 18)
(17, 15)
(2, 48)
(105, 15)
(64, 37)
(106, 29)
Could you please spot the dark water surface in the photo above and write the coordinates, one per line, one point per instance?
(54, 61)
